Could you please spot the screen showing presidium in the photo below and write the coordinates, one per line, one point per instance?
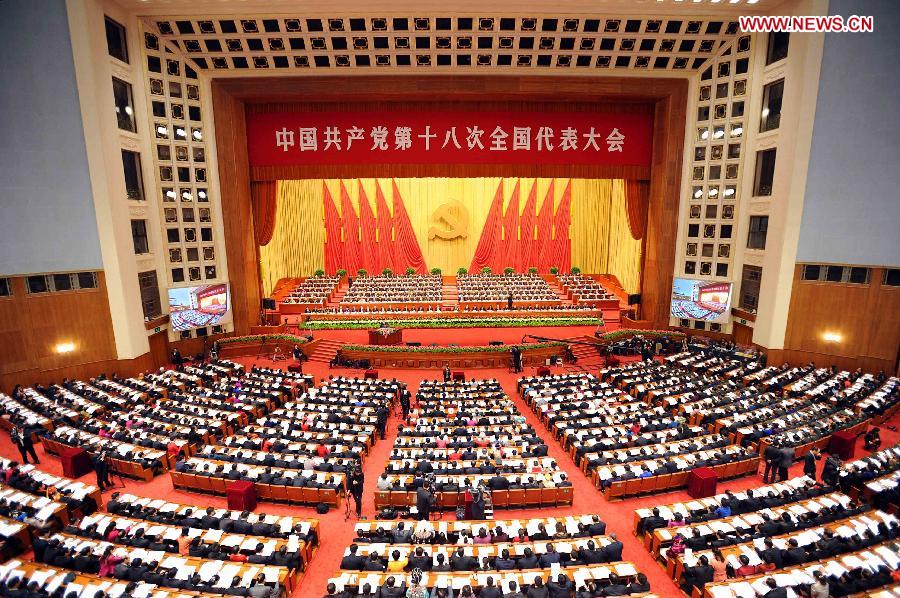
(701, 299)
(196, 307)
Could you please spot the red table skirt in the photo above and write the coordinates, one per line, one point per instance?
(371, 375)
(241, 496)
(459, 376)
(543, 371)
(75, 462)
(702, 482)
(843, 444)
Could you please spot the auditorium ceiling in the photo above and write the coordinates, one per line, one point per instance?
(619, 37)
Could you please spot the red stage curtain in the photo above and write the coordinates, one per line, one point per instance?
(352, 261)
(385, 231)
(637, 197)
(544, 241)
(263, 196)
(510, 256)
(334, 246)
(562, 250)
(490, 234)
(369, 256)
(527, 221)
(408, 251)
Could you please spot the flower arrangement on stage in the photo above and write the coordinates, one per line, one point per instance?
(258, 338)
(453, 323)
(473, 349)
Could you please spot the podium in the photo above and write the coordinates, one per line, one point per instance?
(842, 444)
(371, 375)
(75, 462)
(702, 482)
(459, 376)
(386, 336)
(241, 496)
(543, 371)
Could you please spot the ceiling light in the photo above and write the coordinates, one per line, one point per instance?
(202, 194)
(832, 337)
(162, 130)
(65, 347)
(719, 134)
(170, 194)
(714, 192)
(729, 192)
(736, 132)
(698, 193)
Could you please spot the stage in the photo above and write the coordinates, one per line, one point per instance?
(468, 337)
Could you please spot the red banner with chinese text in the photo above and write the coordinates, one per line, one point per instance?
(299, 138)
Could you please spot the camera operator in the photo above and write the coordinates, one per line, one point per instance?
(101, 466)
(355, 481)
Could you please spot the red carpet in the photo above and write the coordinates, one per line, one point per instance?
(336, 534)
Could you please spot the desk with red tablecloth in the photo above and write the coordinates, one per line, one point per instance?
(241, 495)
(75, 462)
(386, 336)
(702, 482)
(843, 444)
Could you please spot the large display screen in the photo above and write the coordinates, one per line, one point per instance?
(701, 299)
(196, 307)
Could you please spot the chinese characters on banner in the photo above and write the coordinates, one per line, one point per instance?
(290, 138)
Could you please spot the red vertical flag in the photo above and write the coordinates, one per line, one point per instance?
(385, 231)
(562, 247)
(490, 241)
(510, 255)
(334, 246)
(351, 233)
(368, 235)
(544, 240)
(526, 231)
(408, 251)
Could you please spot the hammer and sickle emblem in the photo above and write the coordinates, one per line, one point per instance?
(449, 221)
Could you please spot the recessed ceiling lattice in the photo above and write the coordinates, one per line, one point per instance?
(257, 45)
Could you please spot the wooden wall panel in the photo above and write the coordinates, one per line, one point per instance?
(32, 325)
(665, 97)
(237, 215)
(866, 316)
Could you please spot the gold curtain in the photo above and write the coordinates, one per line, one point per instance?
(297, 247)
(601, 239)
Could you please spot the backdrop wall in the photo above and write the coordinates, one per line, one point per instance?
(573, 222)
(47, 221)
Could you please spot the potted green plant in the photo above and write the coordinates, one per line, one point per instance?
(508, 270)
(436, 271)
(361, 273)
(319, 273)
(554, 270)
(532, 270)
(410, 271)
(462, 271)
(387, 272)
(341, 273)
(576, 270)
(486, 270)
